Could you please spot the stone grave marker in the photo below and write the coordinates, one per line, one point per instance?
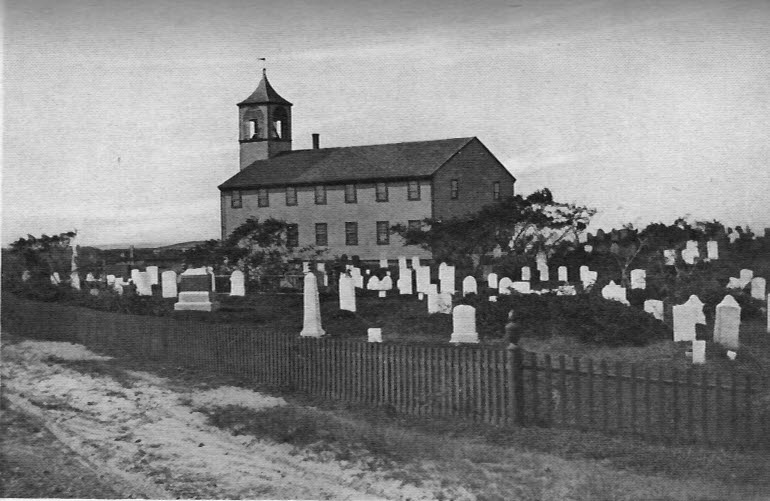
(655, 307)
(422, 274)
(583, 273)
(615, 292)
(544, 273)
(374, 335)
(444, 303)
(638, 279)
(358, 279)
(347, 293)
(562, 274)
(75, 280)
(195, 291)
(383, 262)
(492, 280)
(168, 284)
(526, 274)
(153, 271)
(734, 283)
(698, 351)
(522, 287)
(110, 279)
(464, 325)
(727, 323)
(373, 284)
(90, 277)
(588, 248)
(415, 262)
(758, 287)
(237, 283)
(686, 316)
(405, 282)
(432, 302)
(311, 319)
(402, 262)
(56, 278)
(669, 257)
(712, 250)
(447, 278)
(469, 285)
(745, 277)
(504, 286)
(566, 290)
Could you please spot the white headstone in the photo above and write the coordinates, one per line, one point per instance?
(731, 354)
(638, 279)
(504, 286)
(432, 288)
(698, 351)
(526, 273)
(168, 284)
(615, 292)
(544, 274)
(591, 278)
(432, 303)
(56, 278)
(135, 273)
(237, 283)
(692, 246)
(374, 335)
(383, 262)
(521, 287)
(469, 285)
(405, 282)
(381, 293)
(445, 303)
(143, 284)
(695, 303)
(566, 290)
(311, 324)
(588, 248)
(305, 267)
(727, 323)
(321, 267)
(415, 262)
(402, 262)
(347, 293)
(110, 279)
(584, 273)
(358, 279)
(153, 271)
(669, 257)
(734, 283)
(210, 271)
(447, 278)
(745, 277)
(373, 284)
(541, 260)
(689, 256)
(386, 283)
(464, 325)
(492, 280)
(712, 250)
(422, 274)
(686, 316)
(75, 280)
(758, 286)
(492, 299)
(654, 306)
(562, 272)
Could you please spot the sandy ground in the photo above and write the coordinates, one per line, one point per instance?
(135, 435)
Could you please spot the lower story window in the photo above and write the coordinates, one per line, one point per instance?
(321, 234)
(292, 235)
(351, 233)
(236, 202)
(383, 233)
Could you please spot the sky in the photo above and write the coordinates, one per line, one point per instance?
(120, 118)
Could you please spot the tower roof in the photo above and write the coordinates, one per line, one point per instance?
(264, 94)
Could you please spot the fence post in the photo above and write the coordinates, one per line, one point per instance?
(515, 384)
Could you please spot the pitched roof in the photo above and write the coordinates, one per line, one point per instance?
(264, 93)
(352, 163)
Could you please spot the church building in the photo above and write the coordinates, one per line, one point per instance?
(345, 199)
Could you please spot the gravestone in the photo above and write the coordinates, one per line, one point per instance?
(237, 283)
(374, 335)
(655, 307)
(583, 273)
(566, 290)
(727, 323)
(153, 271)
(692, 246)
(745, 277)
(504, 286)
(615, 292)
(405, 282)
(447, 278)
(686, 316)
(734, 283)
(492, 280)
(422, 274)
(689, 256)
(588, 248)
(347, 293)
(544, 274)
(522, 287)
(526, 273)
(432, 303)
(320, 267)
(469, 286)
(669, 257)
(56, 278)
(110, 279)
(402, 262)
(383, 262)
(733, 236)
(134, 273)
(432, 288)
(311, 319)
(358, 279)
(562, 274)
(306, 268)
(638, 279)
(90, 277)
(75, 280)
(445, 303)
(464, 325)
(195, 291)
(492, 299)
(712, 250)
(698, 351)
(386, 283)
(591, 278)
(168, 284)
(758, 286)
(415, 262)
(373, 284)
(210, 271)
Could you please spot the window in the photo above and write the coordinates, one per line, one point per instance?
(236, 202)
(414, 224)
(291, 195)
(383, 233)
(454, 189)
(320, 194)
(292, 235)
(263, 198)
(496, 190)
(413, 190)
(351, 233)
(253, 129)
(350, 194)
(321, 234)
(382, 192)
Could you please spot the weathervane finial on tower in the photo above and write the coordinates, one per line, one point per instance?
(264, 71)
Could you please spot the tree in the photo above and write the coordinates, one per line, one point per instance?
(45, 254)
(525, 225)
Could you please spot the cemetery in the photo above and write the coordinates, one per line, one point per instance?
(632, 351)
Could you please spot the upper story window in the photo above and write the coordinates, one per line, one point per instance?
(413, 190)
(263, 197)
(291, 195)
(383, 232)
(381, 192)
(292, 235)
(236, 202)
(454, 189)
(351, 233)
(321, 234)
(350, 194)
(496, 190)
(320, 194)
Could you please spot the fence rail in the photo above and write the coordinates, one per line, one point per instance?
(478, 383)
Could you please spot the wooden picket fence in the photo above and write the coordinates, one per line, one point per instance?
(479, 383)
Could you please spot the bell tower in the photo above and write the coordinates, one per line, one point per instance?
(264, 124)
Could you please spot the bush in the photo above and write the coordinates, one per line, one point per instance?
(591, 319)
